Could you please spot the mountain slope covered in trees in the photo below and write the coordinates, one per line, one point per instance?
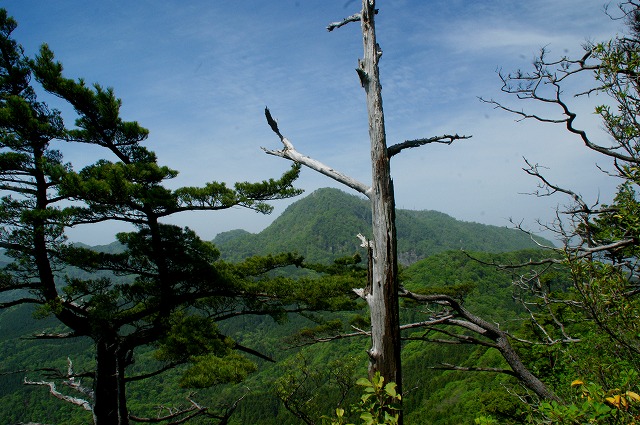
(324, 224)
(436, 397)
(321, 226)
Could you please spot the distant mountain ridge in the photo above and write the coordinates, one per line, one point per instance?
(324, 224)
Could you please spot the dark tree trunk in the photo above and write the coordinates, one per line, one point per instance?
(123, 412)
(520, 370)
(108, 409)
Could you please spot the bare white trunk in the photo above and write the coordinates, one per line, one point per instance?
(381, 292)
(382, 295)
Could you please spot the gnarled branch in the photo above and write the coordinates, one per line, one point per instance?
(448, 366)
(71, 383)
(356, 17)
(446, 139)
(499, 337)
(289, 152)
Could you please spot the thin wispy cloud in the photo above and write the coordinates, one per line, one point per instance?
(198, 74)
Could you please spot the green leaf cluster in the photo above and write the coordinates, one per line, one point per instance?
(592, 404)
(379, 403)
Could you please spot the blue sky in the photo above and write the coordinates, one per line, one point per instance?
(199, 73)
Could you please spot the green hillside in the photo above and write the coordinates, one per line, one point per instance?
(321, 226)
(435, 397)
(324, 225)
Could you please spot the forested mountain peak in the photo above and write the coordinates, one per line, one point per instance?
(324, 225)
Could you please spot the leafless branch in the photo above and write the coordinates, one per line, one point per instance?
(289, 152)
(522, 114)
(532, 170)
(360, 332)
(179, 415)
(71, 383)
(45, 335)
(499, 337)
(457, 338)
(426, 323)
(253, 352)
(20, 301)
(447, 366)
(159, 371)
(356, 17)
(57, 394)
(501, 266)
(446, 139)
(548, 75)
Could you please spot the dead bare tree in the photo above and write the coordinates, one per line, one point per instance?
(381, 293)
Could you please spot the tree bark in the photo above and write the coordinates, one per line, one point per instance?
(382, 296)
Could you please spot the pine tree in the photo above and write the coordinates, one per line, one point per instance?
(166, 282)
